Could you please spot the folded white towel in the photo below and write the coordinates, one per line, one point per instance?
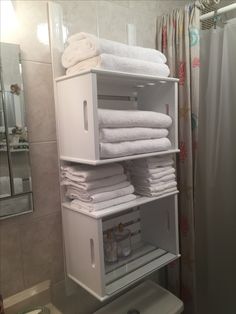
(90, 173)
(148, 172)
(109, 118)
(153, 162)
(155, 194)
(100, 197)
(146, 182)
(112, 135)
(155, 188)
(83, 46)
(121, 64)
(110, 150)
(142, 174)
(105, 204)
(91, 185)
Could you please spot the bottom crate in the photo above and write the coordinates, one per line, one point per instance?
(154, 241)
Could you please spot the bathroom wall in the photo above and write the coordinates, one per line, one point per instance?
(31, 248)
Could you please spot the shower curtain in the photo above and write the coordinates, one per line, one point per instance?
(216, 173)
(178, 38)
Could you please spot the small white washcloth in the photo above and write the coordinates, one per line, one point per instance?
(121, 64)
(91, 185)
(112, 135)
(110, 118)
(85, 173)
(111, 150)
(105, 204)
(153, 162)
(153, 176)
(100, 197)
(83, 46)
(155, 188)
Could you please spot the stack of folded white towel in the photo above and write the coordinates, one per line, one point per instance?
(95, 188)
(153, 176)
(129, 132)
(86, 51)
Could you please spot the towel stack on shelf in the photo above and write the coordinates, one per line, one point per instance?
(129, 132)
(95, 188)
(153, 176)
(86, 51)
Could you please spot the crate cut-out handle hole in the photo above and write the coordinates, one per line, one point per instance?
(85, 110)
(92, 253)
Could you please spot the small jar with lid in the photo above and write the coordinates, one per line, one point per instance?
(110, 247)
(123, 239)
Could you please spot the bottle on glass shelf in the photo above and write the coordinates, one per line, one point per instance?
(110, 247)
(123, 239)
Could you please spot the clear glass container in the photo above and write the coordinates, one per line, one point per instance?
(110, 247)
(123, 239)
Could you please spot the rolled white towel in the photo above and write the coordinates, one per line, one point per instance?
(91, 185)
(121, 64)
(109, 118)
(105, 204)
(83, 46)
(112, 135)
(90, 173)
(100, 197)
(111, 150)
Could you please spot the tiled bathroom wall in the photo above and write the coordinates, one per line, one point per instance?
(31, 248)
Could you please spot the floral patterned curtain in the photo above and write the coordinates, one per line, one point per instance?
(178, 39)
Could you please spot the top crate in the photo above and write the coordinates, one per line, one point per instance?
(79, 96)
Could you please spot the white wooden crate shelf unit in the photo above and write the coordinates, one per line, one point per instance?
(79, 96)
(152, 220)
(154, 228)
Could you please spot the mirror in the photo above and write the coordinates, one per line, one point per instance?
(15, 174)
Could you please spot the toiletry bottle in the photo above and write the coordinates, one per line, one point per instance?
(123, 239)
(110, 247)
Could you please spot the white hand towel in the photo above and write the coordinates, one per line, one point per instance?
(154, 176)
(100, 197)
(155, 194)
(146, 182)
(91, 185)
(148, 172)
(111, 150)
(153, 162)
(112, 135)
(105, 204)
(109, 118)
(90, 173)
(121, 64)
(83, 46)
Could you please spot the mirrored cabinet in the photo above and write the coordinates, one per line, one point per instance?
(15, 173)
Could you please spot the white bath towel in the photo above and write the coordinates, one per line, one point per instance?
(105, 204)
(112, 135)
(90, 173)
(153, 162)
(121, 64)
(91, 185)
(142, 174)
(155, 188)
(110, 150)
(109, 118)
(83, 46)
(100, 197)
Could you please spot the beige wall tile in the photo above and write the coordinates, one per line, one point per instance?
(11, 268)
(42, 253)
(40, 108)
(33, 30)
(45, 178)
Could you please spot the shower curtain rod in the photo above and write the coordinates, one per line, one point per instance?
(218, 12)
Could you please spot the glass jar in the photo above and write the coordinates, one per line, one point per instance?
(123, 239)
(110, 247)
